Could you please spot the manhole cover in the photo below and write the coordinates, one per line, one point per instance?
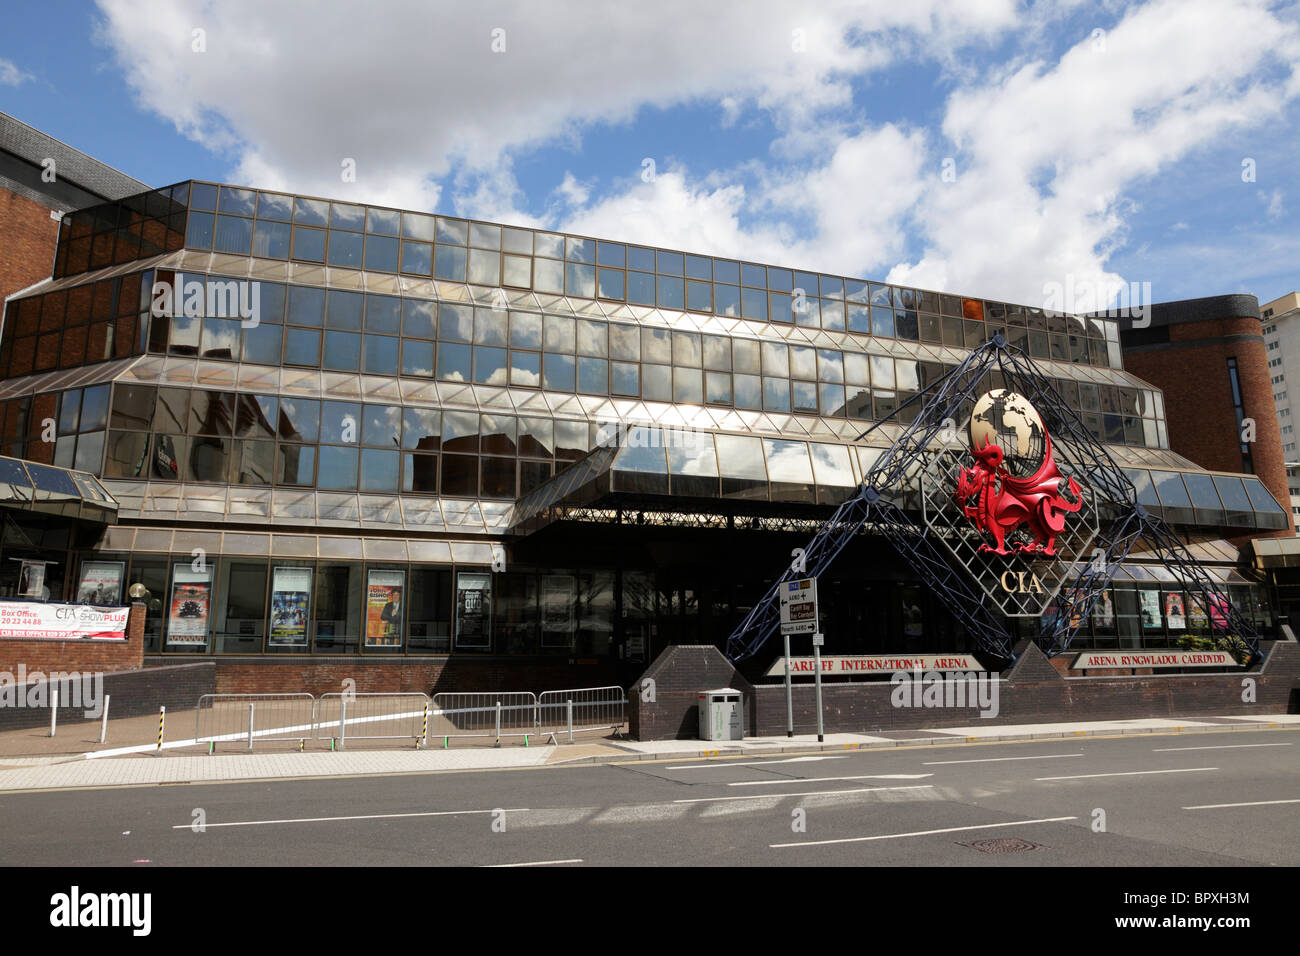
(1004, 845)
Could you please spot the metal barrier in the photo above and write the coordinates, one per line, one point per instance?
(250, 717)
(372, 717)
(484, 714)
(579, 709)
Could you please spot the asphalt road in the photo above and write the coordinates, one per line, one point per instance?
(1162, 798)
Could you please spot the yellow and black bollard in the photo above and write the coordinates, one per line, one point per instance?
(162, 717)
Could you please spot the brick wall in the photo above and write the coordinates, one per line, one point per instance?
(133, 693)
(1198, 399)
(1033, 691)
(430, 675)
(78, 655)
(30, 237)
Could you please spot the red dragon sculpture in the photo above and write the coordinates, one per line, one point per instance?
(1002, 503)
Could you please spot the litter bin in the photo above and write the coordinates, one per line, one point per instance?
(722, 714)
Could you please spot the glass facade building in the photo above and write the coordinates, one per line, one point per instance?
(541, 445)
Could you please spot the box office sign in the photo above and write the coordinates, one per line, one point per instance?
(190, 604)
(877, 664)
(62, 622)
(1089, 660)
(385, 591)
(473, 610)
(290, 606)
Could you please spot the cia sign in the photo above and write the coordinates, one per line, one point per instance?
(1012, 508)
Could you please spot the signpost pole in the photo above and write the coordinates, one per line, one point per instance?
(817, 677)
(789, 697)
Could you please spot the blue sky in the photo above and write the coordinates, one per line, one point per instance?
(1084, 144)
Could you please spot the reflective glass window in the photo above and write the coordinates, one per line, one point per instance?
(379, 355)
(490, 327)
(342, 352)
(419, 318)
(525, 368)
(593, 375)
(379, 469)
(455, 323)
(560, 334)
(558, 372)
(417, 258)
(624, 341)
(625, 378)
(748, 391)
(656, 345)
(454, 362)
(338, 468)
(271, 240)
(347, 249)
(383, 221)
(657, 382)
(776, 394)
(381, 253)
(489, 366)
(421, 429)
(484, 267)
(311, 212)
(745, 355)
(641, 288)
(592, 337)
(776, 359)
(340, 422)
(343, 310)
(306, 306)
(302, 347)
(726, 300)
(449, 263)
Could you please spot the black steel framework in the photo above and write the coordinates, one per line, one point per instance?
(995, 364)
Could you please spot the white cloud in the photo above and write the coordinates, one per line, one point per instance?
(1049, 148)
(1047, 154)
(10, 75)
(412, 90)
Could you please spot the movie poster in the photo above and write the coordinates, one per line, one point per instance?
(1175, 613)
(290, 606)
(384, 609)
(1103, 611)
(558, 600)
(191, 600)
(1149, 607)
(31, 579)
(1196, 607)
(473, 610)
(101, 582)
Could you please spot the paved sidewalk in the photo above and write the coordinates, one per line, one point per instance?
(44, 772)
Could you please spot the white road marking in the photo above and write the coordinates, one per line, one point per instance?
(1255, 803)
(370, 816)
(1165, 750)
(493, 866)
(1129, 773)
(715, 764)
(942, 763)
(813, 793)
(865, 776)
(917, 833)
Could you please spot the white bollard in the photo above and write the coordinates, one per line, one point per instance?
(54, 708)
(103, 725)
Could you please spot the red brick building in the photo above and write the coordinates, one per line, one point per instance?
(40, 180)
(1208, 357)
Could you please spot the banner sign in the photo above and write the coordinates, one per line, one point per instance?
(290, 606)
(1093, 659)
(187, 614)
(62, 622)
(384, 608)
(877, 664)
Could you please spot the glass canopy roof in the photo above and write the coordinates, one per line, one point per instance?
(30, 486)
